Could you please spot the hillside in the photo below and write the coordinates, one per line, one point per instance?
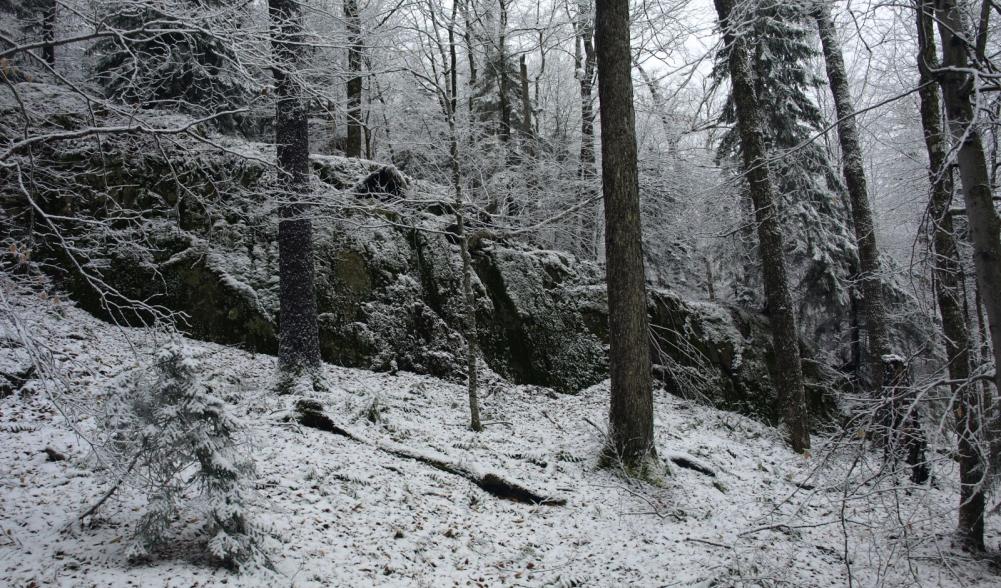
(738, 508)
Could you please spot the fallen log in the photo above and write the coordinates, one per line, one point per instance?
(310, 414)
(690, 463)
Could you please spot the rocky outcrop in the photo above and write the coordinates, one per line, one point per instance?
(388, 273)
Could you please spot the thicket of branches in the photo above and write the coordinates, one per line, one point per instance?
(495, 102)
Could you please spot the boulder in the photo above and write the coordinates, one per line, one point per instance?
(388, 277)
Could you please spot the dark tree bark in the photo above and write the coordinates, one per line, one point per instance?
(959, 93)
(853, 167)
(906, 435)
(502, 80)
(587, 171)
(949, 289)
(526, 106)
(469, 299)
(468, 35)
(631, 412)
(49, 32)
(352, 20)
(449, 104)
(298, 346)
(781, 313)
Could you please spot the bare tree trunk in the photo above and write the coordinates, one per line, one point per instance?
(526, 107)
(659, 104)
(538, 78)
(781, 314)
(467, 34)
(631, 412)
(587, 172)
(949, 289)
(502, 81)
(298, 346)
(450, 104)
(49, 32)
(710, 281)
(862, 218)
(959, 93)
(469, 310)
(352, 20)
(905, 434)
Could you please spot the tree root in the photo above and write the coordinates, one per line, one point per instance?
(310, 414)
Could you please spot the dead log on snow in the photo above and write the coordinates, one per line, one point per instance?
(310, 414)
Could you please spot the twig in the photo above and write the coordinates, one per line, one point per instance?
(93, 509)
(708, 542)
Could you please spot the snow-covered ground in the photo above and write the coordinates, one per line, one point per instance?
(345, 513)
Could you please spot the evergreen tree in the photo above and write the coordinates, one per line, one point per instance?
(188, 64)
(820, 248)
(37, 19)
(181, 441)
(496, 90)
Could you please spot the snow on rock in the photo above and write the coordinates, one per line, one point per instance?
(388, 273)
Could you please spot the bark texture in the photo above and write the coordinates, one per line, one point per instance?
(906, 437)
(469, 299)
(298, 345)
(502, 74)
(959, 93)
(49, 32)
(949, 289)
(526, 106)
(781, 314)
(631, 411)
(352, 20)
(587, 172)
(853, 167)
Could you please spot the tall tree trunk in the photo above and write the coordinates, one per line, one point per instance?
(468, 35)
(781, 314)
(352, 20)
(631, 412)
(526, 107)
(659, 104)
(949, 289)
(49, 32)
(298, 346)
(502, 81)
(959, 93)
(469, 299)
(450, 104)
(854, 172)
(587, 171)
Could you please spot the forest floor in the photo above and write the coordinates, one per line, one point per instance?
(342, 512)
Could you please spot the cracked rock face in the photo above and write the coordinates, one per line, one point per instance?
(388, 277)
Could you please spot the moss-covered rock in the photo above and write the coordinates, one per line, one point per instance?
(388, 293)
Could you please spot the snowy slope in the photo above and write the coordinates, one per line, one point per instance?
(345, 513)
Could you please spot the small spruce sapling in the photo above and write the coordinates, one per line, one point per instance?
(180, 440)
